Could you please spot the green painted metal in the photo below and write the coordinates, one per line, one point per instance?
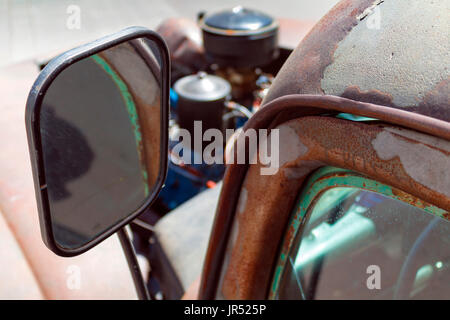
(324, 179)
(352, 117)
(131, 109)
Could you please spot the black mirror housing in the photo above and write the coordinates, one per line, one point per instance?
(91, 140)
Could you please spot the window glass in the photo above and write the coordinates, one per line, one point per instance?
(358, 244)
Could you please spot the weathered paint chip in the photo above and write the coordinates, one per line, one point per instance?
(290, 145)
(422, 163)
(402, 60)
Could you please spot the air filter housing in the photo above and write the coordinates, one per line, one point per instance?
(239, 38)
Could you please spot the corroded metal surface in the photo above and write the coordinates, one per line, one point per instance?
(393, 91)
(411, 162)
(396, 54)
(277, 112)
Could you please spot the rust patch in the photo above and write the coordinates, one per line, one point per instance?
(372, 96)
(303, 71)
(289, 235)
(409, 199)
(307, 66)
(437, 101)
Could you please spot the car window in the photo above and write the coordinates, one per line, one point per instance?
(361, 244)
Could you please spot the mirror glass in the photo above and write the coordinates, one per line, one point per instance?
(100, 123)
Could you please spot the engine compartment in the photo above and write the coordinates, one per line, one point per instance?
(222, 89)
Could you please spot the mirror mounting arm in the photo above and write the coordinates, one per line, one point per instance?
(130, 255)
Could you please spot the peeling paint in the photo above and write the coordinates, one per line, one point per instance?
(415, 159)
(304, 168)
(369, 10)
(404, 59)
(291, 148)
(246, 272)
(397, 57)
(303, 70)
(423, 138)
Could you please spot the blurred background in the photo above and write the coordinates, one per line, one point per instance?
(29, 28)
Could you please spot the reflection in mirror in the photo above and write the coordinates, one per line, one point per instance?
(100, 123)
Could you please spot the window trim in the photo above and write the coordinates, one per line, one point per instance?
(244, 242)
(320, 181)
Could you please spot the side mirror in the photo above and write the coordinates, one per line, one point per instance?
(97, 123)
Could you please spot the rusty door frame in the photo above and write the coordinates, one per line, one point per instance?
(284, 109)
